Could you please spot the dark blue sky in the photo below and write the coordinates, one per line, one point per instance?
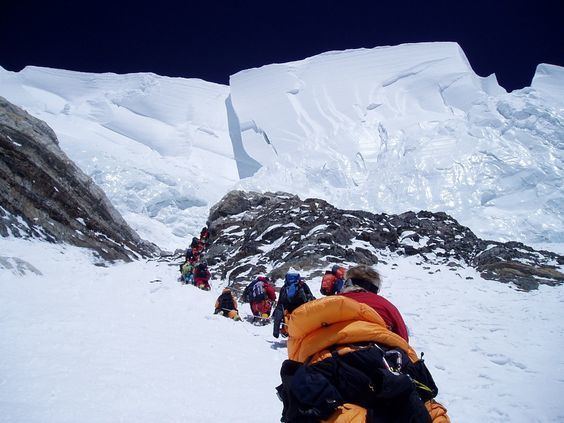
(213, 39)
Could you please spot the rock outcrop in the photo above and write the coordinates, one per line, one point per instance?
(254, 233)
(44, 194)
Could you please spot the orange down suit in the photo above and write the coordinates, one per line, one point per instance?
(337, 320)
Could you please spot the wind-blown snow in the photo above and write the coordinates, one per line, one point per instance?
(82, 343)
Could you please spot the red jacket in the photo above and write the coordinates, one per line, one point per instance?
(201, 278)
(264, 306)
(269, 290)
(384, 308)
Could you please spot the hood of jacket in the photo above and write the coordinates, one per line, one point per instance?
(336, 321)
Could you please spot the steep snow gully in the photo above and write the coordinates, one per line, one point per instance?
(388, 129)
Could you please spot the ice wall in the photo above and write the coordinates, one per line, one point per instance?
(407, 127)
(331, 98)
(549, 82)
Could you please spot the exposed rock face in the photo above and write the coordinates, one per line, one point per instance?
(254, 233)
(43, 194)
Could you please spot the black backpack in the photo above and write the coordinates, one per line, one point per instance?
(201, 271)
(385, 382)
(257, 292)
(226, 301)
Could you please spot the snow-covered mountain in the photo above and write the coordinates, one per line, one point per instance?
(45, 195)
(385, 129)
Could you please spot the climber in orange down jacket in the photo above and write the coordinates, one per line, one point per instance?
(345, 365)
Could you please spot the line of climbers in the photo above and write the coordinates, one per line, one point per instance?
(261, 295)
(195, 270)
(296, 292)
(349, 358)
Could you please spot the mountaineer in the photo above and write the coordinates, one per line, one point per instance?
(202, 276)
(293, 294)
(205, 237)
(187, 272)
(344, 365)
(226, 304)
(261, 295)
(363, 285)
(333, 280)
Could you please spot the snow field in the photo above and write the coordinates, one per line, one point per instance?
(91, 344)
(494, 352)
(104, 344)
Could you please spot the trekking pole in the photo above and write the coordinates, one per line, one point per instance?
(228, 310)
(256, 317)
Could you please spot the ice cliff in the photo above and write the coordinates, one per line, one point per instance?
(407, 128)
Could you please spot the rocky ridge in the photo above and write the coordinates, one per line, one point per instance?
(44, 194)
(268, 233)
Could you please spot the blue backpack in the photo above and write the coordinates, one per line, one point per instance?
(292, 284)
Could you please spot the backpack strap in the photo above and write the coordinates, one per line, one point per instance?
(337, 350)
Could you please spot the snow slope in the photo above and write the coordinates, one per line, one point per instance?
(383, 129)
(111, 346)
(159, 147)
(82, 343)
